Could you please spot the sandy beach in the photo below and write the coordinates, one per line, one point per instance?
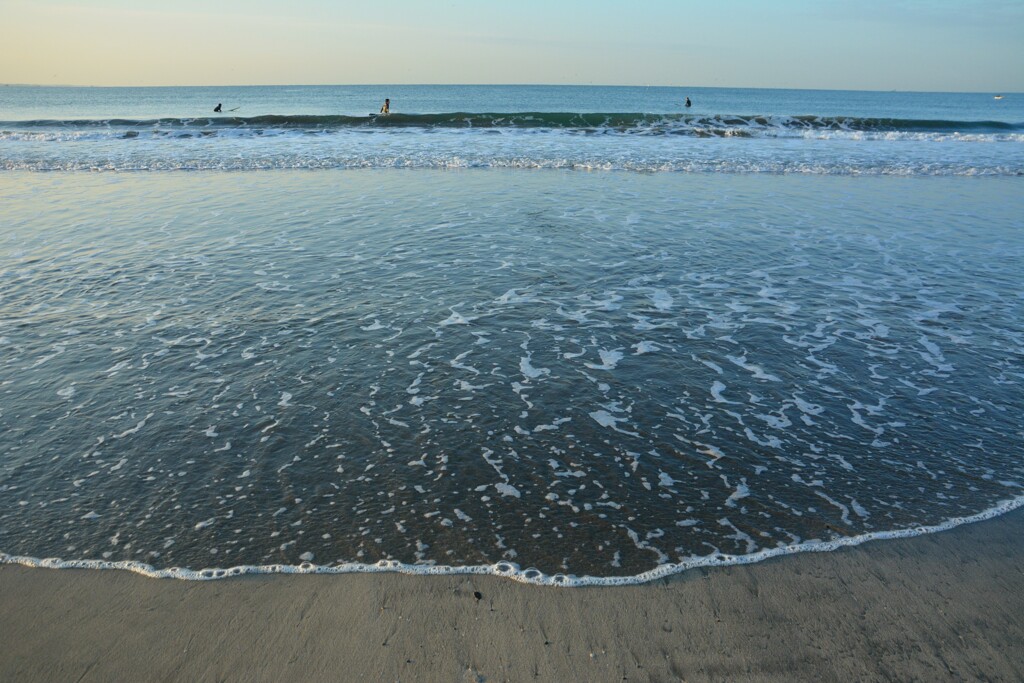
(947, 606)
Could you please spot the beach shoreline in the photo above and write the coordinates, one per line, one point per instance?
(943, 606)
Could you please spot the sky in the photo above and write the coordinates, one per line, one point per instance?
(928, 45)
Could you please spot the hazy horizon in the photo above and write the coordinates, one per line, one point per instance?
(903, 45)
(482, 85)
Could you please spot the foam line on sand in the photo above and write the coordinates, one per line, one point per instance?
(947, 606)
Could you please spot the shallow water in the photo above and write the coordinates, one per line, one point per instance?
(589, 373)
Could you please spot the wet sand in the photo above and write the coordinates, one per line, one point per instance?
(948, 606)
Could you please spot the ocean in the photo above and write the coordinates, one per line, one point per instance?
(569, 335)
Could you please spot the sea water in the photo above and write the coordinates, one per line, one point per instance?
(531, 331)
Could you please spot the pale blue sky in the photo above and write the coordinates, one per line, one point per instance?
(954, 45)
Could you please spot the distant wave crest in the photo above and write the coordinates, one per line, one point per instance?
(634, 123)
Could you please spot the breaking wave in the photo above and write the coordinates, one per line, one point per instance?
(649, 143)
(652, 124)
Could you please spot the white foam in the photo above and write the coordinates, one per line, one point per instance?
(714, 366)
(859, 509)
(135, 429)
(742, 491)
(513, 571)
(512, 296)
(606, 419)
(662, 300)
(528, 370)
(646, 347)
(507, 490)
(456, 318)
(716, 393)
(274, 286)
(738, 535)
(712, 452)
(809, 408)
(756, 370)
(843, 509)
(104, 158)
(609, 359)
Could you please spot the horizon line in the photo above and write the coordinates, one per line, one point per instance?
(510, 85)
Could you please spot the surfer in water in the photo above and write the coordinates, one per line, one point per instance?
(216, 110)
(386, 109)
(688, 103)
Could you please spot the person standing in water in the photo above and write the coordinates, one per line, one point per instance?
(386, 109)
(216, 110)
(688, 104)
